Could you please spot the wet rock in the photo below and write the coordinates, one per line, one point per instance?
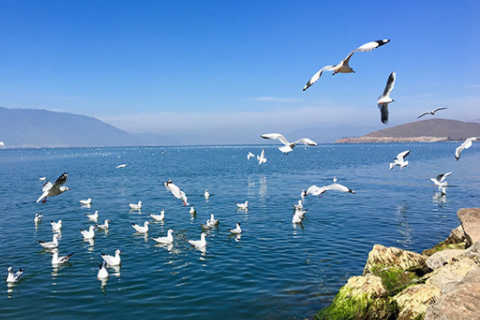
(414, 300)
(441, 258)
(470, 221)
(381, 257)
(456, 240)
(449, 276)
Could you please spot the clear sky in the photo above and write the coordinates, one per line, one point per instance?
(229, 71)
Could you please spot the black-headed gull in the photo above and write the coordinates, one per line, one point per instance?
(439, 180)
(193, 211)
(51, 190)
(165, 240)
(14, 277)
(298, 206)
(385, 99)
(86, 202)
(141, 229)
(242, 206)
(42, 178)
(465, 145)
(237, 229)
(261, 158)
(50, 245)
(249, 155)
(93, 217)
(430, 112)
(206, 194)
(60, 260)
(175, 190)
(288, 145)
(102, 271)
(56, 226)
(158, 217)
(400, 160)
(299, 215)
(202, 243)
(121, 165)
(134, 206)
(38, 218)
(105, 226)
(113, 260)
(212, 220)
(88, 234)
(342, 66)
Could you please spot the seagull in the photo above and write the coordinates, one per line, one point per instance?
(165, 240)
(103, 272)
(93, 217)
(137, 206)
(122, 166)
(42, 178)
(175, 190)
(385, 99)
(399, 160)
(237, 229)
(193, 211)
(242, 206)
(439, 180)
(104, 226)
(14, 277)
(2, 143)
(465, 145)
(90, 234)
(56, 226)
(298, 216)
(60, 260)
(343, 66)
(206, 194)
(50, 245)
(249, 155)
(50, 190)
(261, 158)
(212, 220)
(86, 202)
(141, 229)
(112, 260)
(288, 145)
(202, 243)
(298, 206)
(303, 194)
(38, 218)
(314, 190)
(158, 217)
(430, 112)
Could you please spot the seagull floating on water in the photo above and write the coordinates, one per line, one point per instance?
(206, 194)
(42, 178)
(430, 112)
(51, 190)
(212, 222)
(298, 216)
(202, 243)
(342, 66)
(38, 218)
(249, 155)
(14, 277)
(288, 145)
(60, 260)
(237, 229)
(141, 229)
(50, 245)
(261, 158)
(86, 202)
(102, 271)
(56, 226)
(439, 180)
(193, 211)
(400, 160)
(93, 217)
(385, 99)
(165, 240)
(103, 226)
(121, 165)
(158, 217)
(465, 145)
(112, 260)
(242, 206)
(90, 234)
(134, 206)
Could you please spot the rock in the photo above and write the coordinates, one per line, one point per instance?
(381, 257)
(456, 240)
(361, 298)
(414, 300)
(461, 303)
(470, 220)
(441, 258)
(456, 236)
(449, 276)
(474, 250)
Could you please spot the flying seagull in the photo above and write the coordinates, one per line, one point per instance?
(430, 112)
(385, 99)
(399, 160)
(261, 158)
(175, 190)
(50, 190)
(249, 155)
(288, 145)
(343, 66)
(465, 145)
(318, 191)
(439, 180)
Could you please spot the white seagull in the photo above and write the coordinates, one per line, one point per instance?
(56, 226)
(175, 190)
(465, 145)
(299, 215)
(158, 217)
(165, 240)
(430, 112)
(439, 180)
(141, 229)
(50, 245)
(242, 206)
(50, 190)
(212, 220)
(193, 211)
(42, 178)
(385, 99)
(121, 165)
(298, 206)
(90, 234)
(134, 206)
(249, 155)
(14, 277)
(102, 271)
(288, 145)
(113, 260)
(316, 191)
(202, 243)
(103, 226)
(400, 160)
(261, 158)
(38, 218)
(86, 202)
(206, 194)
(60, 260)
(237, 229)
(342, 66)
(93, 217)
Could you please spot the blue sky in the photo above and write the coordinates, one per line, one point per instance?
(229, 71)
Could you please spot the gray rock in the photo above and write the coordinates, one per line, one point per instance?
(414, 300)
(448, 277)
(470, 220)
(442, 258)
(383, 257)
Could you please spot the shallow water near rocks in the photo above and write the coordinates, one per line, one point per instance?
(275, 270)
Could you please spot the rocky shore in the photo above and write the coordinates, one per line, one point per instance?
(442, 283)
(367, 139)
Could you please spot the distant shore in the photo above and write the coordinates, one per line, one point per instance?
(367, 139)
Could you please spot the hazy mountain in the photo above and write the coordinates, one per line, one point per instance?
(431, 130)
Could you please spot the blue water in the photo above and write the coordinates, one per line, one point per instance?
(275, 270)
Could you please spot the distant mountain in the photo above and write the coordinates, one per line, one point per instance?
(42, 128)
(432, 130)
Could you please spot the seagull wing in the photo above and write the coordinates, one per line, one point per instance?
(314, 190)
(61, 180)
(277, 136)
(390, 84)
(438, 109)
(383, 112)
(403, 155)
(369, 46)
(423, 114)
(306, 142)
(442, 176)
(339, 187)
(316, 76)
(47, 186)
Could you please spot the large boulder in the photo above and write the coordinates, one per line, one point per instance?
(381, 257)
(470, 221)
(449, 276)
(414, 300)
(441, 258)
